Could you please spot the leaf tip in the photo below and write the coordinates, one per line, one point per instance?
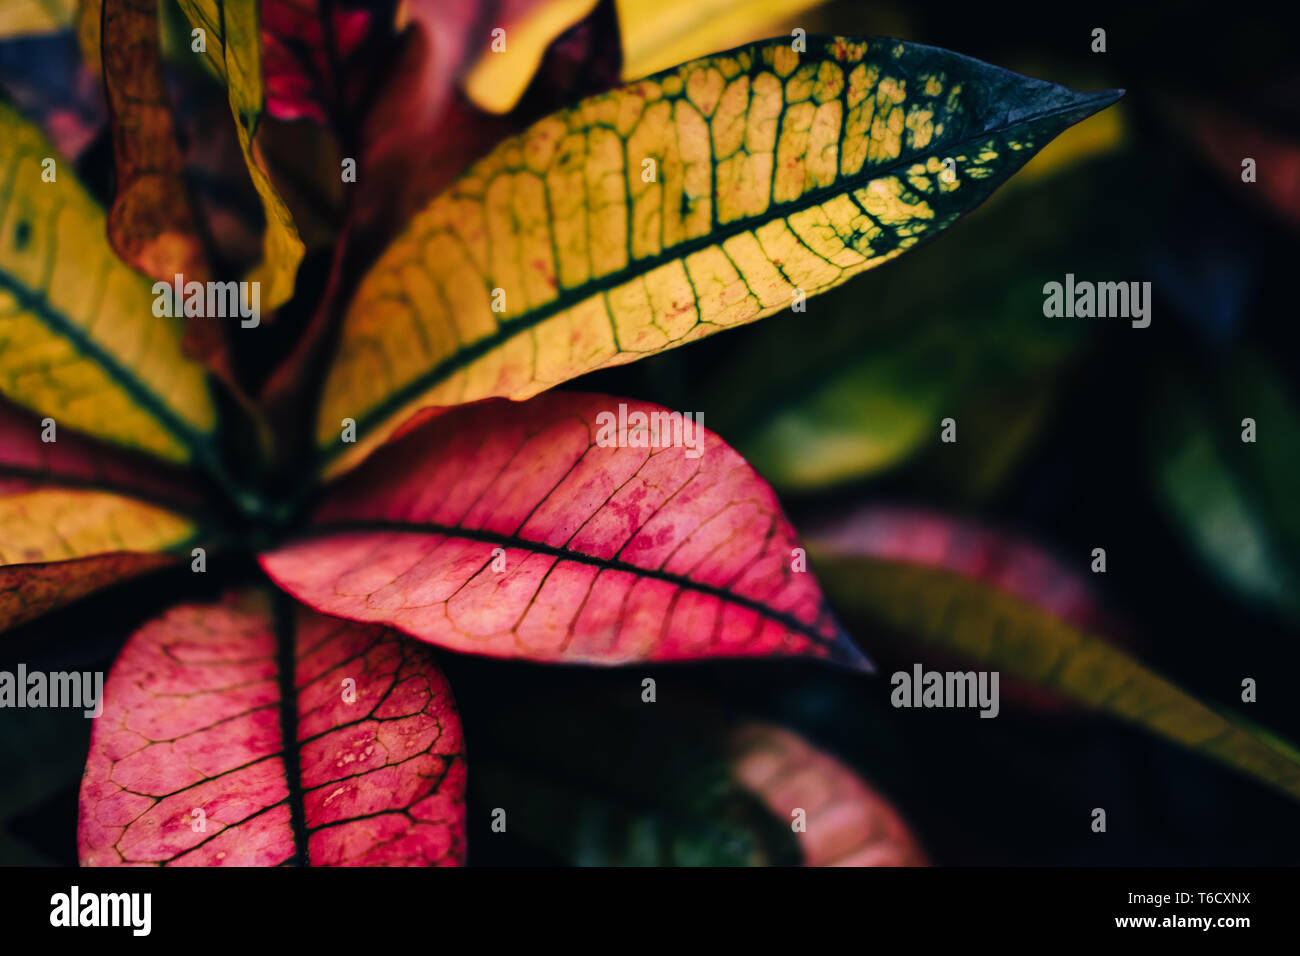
(1090, 103)
(844, 653)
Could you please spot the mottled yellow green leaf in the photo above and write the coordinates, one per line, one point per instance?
(650, 216)
(1007, 634)
(498, 79)
(57, 545)
(22, 17)
(234, 48)
(79, 341)
(658, 34)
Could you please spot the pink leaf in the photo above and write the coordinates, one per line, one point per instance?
(845, 822)
(188, 764)
(505, 529)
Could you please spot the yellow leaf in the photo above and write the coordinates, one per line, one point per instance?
(23, 17)
(234, 48)
(658, 34)
(498, 79)
(79, 341)
(948, 610)
(57, 545)
(709, 196)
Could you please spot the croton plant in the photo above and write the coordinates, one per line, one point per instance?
(366, 402)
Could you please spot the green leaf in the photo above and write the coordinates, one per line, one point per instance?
(949, 610)
(1234, 500)
(953, 329)
(702, 198)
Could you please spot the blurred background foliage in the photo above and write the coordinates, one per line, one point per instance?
(1072, 434)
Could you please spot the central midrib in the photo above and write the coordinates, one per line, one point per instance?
(287, 664)
(610, 564)
(36, 303)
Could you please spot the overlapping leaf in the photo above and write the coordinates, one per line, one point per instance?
(151, 223)
(498, 78)
(28, 461)
(79, 340)
(76, 517)
(648, 217)
(418, 134)
(882, 579)
(491, 53)
(936, 541)
(234, 48)
(228, 741)
(659, 34)
(845, 822)
(512, 530)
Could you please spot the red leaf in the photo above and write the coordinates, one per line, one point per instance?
(194, 720)
(847, 823)
(611, 554)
